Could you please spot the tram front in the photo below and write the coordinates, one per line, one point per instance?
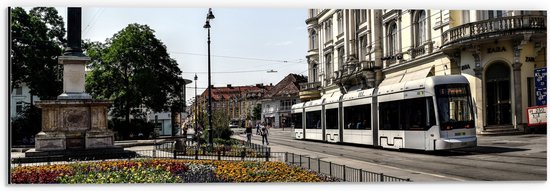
(456, 117)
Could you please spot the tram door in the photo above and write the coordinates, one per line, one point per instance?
(497, 88)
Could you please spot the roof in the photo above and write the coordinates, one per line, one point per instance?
(237, 92)
(287, 87)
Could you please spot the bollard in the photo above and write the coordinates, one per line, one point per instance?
(267, 156)
(344, 172)
(319, 165)
(360, 175)
(175, 155)
(381, 177)
(330, 168)
(300, 160)
(197, 154)
(243, 154)
(309, 163)
(219, 155)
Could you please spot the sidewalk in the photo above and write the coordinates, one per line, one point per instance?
(415, 176)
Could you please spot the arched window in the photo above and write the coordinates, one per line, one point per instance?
(313, 40)
(392, 39)
(420, 28)
(314, 72)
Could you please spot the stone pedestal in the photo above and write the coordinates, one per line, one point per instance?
(99, 139)
(73, 77)
(74, 124)
(50, 141)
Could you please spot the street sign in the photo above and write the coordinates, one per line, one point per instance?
(536, 115)
(540, 86)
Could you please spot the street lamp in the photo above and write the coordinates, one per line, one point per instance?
(196, 113)
(209, 16)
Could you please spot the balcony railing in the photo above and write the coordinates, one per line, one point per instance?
(421, 50)
(310, 86)
(502, 24)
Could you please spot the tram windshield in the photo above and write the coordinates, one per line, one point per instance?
(297, 120)
(454, 106)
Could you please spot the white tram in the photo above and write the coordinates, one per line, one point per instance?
(434, 113)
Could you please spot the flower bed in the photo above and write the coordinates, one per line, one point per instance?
(165, 171)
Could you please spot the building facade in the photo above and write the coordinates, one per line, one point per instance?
(237, 101)
(19, 99)
(277, 103)
(496, 50)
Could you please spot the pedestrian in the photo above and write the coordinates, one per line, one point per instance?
(264, 132)
(258, 128)
(248, 132)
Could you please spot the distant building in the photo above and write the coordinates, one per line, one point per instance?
(19, 98)
(237, 101)
(277, 103)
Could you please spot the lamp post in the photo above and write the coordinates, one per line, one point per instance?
(209, 16)
(196, 113)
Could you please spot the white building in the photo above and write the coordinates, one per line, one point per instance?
(19, 98)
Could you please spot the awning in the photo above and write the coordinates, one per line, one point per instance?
(393, 78)
(416, 75)
(407, 75)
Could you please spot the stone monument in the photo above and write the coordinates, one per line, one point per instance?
(74, 124)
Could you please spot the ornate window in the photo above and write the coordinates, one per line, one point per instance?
(363, 16)
(313, 40)
(314, 69)
(363, 48)
(392, 39)
(328, 30)
(340, 57)
(328, 66)
(420, 28)
(340, 22)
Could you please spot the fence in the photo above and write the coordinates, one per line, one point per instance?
(342, 172)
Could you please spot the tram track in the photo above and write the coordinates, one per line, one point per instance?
(449, 165)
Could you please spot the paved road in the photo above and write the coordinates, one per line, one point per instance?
(498, 158)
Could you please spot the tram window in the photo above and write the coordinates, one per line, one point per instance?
(410, 114)
(297, 120)
(313, 120)
(389, 116)
(414, 114)
(332, 118)
(357, 117)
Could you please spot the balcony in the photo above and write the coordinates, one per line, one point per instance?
(423, 49)
(309, 91)
(494, 28)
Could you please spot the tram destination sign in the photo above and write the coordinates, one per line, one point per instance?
(536, 115)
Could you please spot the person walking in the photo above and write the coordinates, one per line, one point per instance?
(248, 132)
(264, 131)
(258, 128)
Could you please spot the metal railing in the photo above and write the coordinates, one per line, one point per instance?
(475, 29)
(310, 85)
(342, 172)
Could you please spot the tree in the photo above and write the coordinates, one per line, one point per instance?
(257, 112)
(133, 69)
(36, 41)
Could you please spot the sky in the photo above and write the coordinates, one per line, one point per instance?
(245, 42)
(263, 32)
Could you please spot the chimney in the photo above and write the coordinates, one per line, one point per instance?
(229, 85)
(260, 85)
